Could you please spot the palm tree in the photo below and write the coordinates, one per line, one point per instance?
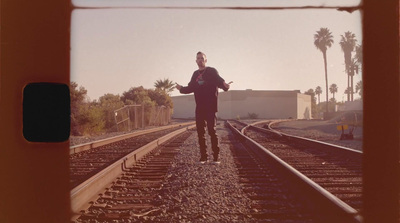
(348, 43)
(359, 88)
(359, 56)
(333, 89)
(165, 85)
(318, 91)
(322, 40)
(359, 60)
(353, 67)
(347, 91)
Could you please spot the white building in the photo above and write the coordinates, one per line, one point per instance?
(350, 106)
(241, 103)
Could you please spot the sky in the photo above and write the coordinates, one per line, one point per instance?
(114, 49)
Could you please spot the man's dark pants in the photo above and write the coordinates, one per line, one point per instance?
(207, 119)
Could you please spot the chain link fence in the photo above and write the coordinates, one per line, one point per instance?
(132, 117)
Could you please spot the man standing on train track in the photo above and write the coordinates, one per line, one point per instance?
(205, 83)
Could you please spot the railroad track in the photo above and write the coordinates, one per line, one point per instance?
(271, 197)
(96, 164)
(239, 125)
(88, 159)
(137, 192)
(336, 169)
(134, 196)
(134, 192)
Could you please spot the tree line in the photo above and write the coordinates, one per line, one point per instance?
(91, 117)
(323, 39)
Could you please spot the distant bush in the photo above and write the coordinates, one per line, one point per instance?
(252, 115)
(98, 116)
(96, 122)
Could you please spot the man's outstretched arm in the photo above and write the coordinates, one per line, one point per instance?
(184, 90)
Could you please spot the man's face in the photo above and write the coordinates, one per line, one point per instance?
(201, 60)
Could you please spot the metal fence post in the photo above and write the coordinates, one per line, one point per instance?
(136, 119)
(116, 122)
(142, 115)
(129, 119)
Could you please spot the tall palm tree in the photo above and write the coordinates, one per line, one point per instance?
(333, 89)
(348, 44)
(322, 40)
(165, 85)
(318, 91)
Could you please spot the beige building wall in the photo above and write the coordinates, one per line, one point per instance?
(184, 106)
(303, 106)
(239, 103)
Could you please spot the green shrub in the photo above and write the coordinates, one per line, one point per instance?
(252, 115)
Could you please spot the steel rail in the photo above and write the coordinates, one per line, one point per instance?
(82, 194)
(102, 142)
(241, 123)
(338, 210)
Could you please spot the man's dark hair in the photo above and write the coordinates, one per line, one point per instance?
(201, 54)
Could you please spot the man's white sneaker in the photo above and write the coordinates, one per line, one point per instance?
(216, 161)
(203, 160)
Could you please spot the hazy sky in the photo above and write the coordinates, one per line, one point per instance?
(113, 50)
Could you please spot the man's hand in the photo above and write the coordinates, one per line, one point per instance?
(177, 86)
(227, 85)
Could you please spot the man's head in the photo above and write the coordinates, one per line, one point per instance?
(201, 60)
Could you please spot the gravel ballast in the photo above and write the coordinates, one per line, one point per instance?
(209, 192)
